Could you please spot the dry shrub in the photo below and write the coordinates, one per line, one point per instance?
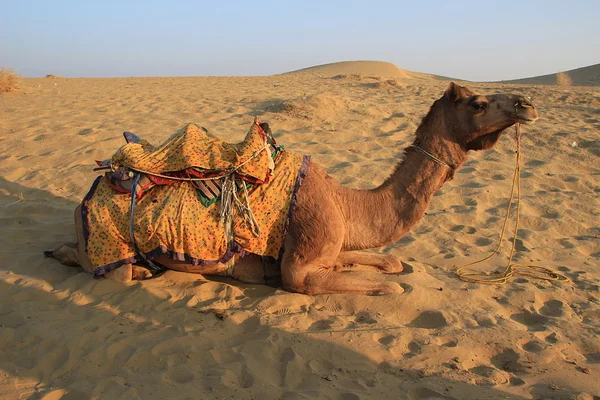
(563, 79)
(9, 80)
(52, 76)
(386, 84)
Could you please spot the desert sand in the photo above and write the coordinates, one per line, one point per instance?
(65, 335)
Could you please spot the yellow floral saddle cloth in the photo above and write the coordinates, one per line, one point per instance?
(195, 197)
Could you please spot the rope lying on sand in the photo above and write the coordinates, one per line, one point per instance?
(532, 271)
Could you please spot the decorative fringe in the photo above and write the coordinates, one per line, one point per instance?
(231, 201)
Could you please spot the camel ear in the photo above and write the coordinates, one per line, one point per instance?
(456, 92)
(484, 142)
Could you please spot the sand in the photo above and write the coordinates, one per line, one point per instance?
(584, 76)
(64, 335)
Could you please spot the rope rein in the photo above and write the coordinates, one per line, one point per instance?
(531, 271)
(430, 156)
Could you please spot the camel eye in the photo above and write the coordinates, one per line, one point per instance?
(480, 106)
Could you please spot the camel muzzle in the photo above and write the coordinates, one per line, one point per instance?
(525, 111)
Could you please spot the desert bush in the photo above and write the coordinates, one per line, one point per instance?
(563, 79)
(9, 80)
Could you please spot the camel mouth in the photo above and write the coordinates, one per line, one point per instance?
(526, 120)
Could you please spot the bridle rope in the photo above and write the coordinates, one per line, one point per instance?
(532, 271)
(430, 156)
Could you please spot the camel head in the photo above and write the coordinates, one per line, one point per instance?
(476, 121)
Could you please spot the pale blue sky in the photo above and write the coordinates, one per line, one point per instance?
(474, 40)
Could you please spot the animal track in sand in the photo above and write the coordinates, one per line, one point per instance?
(483, 242)
(551, 338)
(489, 376)
(514, 381)
(485, 320)
(414, 348)
(407, 269)
(553, 308)
(508, 360)
(533, 321)
(429, 320)
(365, 318)
(321, 325)
(407, 288)
(387, 340)
(445, 341)
(593, 358)
(533, 347)
(535, 163)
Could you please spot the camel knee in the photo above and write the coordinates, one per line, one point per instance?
(122, 274)
(140, 273)
(297, 280)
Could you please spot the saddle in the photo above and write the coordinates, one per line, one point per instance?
(192, 154)
(162, 200)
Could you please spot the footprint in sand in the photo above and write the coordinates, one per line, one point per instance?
(533, 321)
(429, 320)
(365, 318)
(489, 376)
(414, 349)
(387, 340)
(551, 338)
(321, 325)
(533, 347)
(445, 341)
(508, 361)
(553, 308)
(514, 381)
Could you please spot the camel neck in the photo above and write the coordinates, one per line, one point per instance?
(389, 211)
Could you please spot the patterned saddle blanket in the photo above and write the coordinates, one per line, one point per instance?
(178, 199)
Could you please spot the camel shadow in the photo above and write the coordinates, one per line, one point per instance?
(65, 335)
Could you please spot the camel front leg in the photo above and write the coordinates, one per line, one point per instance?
(384, 263)
(320, 276)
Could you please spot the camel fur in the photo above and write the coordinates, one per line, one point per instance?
(332, 224)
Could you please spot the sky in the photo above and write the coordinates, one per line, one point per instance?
(472, 40)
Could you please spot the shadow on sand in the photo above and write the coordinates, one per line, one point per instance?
(64, 335)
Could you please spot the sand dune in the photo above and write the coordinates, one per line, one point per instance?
(366, 68)
(64, 335)
(585, 76)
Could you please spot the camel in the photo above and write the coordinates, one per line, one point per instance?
(332, 225)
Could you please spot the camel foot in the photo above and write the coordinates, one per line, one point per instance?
(383, 263)
(140, 273)
(389, 288)
(315, 279)
(392, 265)
(122, 274)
